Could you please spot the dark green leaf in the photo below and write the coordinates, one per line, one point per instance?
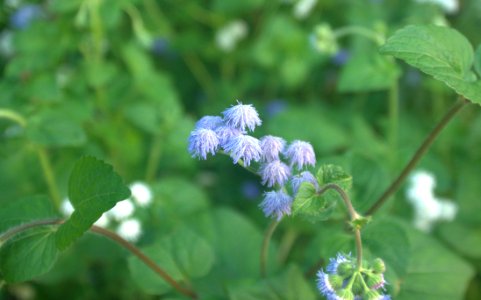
(28, 255)
(477, 60)
(465, 239)
(94, 188)
(25, 210)
(440, 52)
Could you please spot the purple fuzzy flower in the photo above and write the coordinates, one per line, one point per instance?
(276, 204)
(271, 147)
(209, 122)
(203, 141)
(244, 147)
(275, 172)
(226, 133)
(241, 116)
(323, 284)
(298, 179)
(301, 154)
(335, 262)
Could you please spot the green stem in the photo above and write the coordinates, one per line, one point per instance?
(353, 215)
(49, 176)
(13, 116)
(418, 155)
(265, 246)
(393, 115)
(287, 241)
(154, 158)
(114, 237)
(200, 73)
(357, 30)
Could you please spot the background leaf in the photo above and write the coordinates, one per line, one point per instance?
(94, 188)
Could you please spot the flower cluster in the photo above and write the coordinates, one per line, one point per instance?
(344, 281)
(229, 135)
(122, 213)
(428, 208)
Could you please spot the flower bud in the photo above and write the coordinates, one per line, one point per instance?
(378, 266)
(371, 295)
(375, 281)
(336, 281)
(345, 269)
(345, 294)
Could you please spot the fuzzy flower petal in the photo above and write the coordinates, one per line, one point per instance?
(203, 141)
(209, 122)
(244, 147)
(271, 147)
(305, 176)
(241, 116)
(275, 172)
(226, 133)
(276, 204)
(301, 154)
(323, 284)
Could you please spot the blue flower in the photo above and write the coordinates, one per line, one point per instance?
(275, 172)
(23, 16)
(203, 141)
(335, 262)
(244, 147)
(301, 154)
(209, 122)
(276, 204)
(241, 116)
(323, 284)
(298, 179)
(271, 147)
(226, 134)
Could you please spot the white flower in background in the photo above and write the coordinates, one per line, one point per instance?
(449, 6)
(130, 230)
(122, 210)
(427, 208)
(141, 193)
(6, 43)
(303, 8)
(228, 36)
(103, 221)
(66, 207)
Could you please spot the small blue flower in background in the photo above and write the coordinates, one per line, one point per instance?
(203, 141)
(250, 189)
(275, 107)
(241, 116)
(341, 57)
(161, 47)
(298, 179)
(276, 204)
(271, 147)
(24, 15)
(301, 154)
(209, 122)
(275, 173)
(244, 147)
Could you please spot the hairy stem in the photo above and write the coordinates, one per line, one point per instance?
(49, 176)
(353, 215)
(418, 155)
(114, 237)
(265, 246)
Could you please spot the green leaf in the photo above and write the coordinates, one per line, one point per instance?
(50, 128)
(441, 52)
(465, 239)
(334, 174)
(433, 272)
(368, 72)
(94, 188)
(310, 206)
(28, 255)
(290, 285)
(477, 60)
(183, 255)
(25, 210)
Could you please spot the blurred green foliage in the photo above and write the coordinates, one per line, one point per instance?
(125, 80)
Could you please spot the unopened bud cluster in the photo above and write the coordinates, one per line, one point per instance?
(344, 281)
(229, 134)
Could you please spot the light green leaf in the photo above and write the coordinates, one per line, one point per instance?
(94, 188)
(310, 206)
(477, 60)
(28, 254)
(25, 210)
(183, 255)
(334, 174)
(441, 52)
(465, 239)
